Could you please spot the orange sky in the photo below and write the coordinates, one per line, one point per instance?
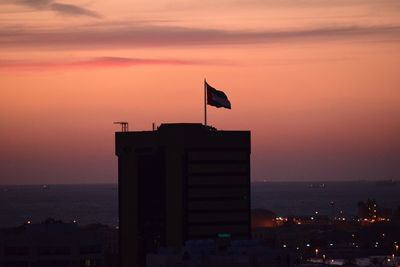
(317, 83)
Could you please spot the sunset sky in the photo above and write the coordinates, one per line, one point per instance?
(316, 81)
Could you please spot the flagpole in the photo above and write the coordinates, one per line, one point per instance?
(205, 103)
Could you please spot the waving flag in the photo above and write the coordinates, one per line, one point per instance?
(217, 98)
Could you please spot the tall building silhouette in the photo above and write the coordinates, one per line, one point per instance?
(181, 182)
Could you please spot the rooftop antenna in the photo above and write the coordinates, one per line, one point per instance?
(124, 125)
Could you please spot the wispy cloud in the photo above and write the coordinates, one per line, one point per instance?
(123, 62)
(99, 62)
(67, 9)
(60, 8)
(185, 5)
(140, 35)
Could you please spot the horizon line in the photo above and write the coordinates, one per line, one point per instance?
(256, 181)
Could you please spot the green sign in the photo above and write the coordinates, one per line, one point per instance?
(224, 235)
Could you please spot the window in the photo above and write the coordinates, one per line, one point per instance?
(16, 251)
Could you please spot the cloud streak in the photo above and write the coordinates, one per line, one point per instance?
(72, 10)
(98, 62)
(167, 36)
(60, 8)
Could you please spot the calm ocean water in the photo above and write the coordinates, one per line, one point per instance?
(99, 203)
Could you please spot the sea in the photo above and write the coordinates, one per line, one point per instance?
(98, 203)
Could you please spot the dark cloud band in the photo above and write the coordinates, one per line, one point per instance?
(98, 62)
(139, 35)
(60, 8)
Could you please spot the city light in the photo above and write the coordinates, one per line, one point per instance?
(281, 219)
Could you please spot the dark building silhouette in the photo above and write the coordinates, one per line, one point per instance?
(368, 209)
(54, 243)
(181, 182)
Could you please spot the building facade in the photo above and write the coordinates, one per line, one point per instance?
(205, 253)
(181, 182)
(57, 244)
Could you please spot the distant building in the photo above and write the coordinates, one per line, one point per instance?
(178, 183)
(370, 212)
(57, 244)
(205, 253)
(368, 209)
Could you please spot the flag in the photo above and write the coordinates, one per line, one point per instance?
(217, 98)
